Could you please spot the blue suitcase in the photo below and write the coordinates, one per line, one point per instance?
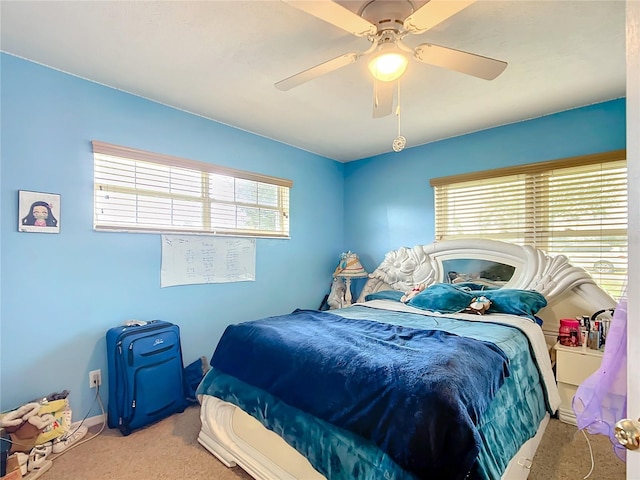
(145, 374)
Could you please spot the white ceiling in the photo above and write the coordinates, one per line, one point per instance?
(220, 59)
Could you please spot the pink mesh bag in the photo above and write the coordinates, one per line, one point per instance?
(601, 400)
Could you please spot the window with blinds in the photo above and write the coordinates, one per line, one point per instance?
(138, 191)
(575, 207)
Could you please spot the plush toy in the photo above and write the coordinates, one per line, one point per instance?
(479, 305)
(61, 413)
(336, 295)
(412, 293)
(24, 426)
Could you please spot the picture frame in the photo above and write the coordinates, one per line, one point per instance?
(38, 212)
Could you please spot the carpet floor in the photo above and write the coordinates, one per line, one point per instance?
(168, 450)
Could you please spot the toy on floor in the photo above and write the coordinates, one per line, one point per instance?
(34, 431)
(59, 409)
(24, 425)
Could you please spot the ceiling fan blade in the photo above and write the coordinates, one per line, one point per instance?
(317, 71)
(463, 62)
(382, 98)
(433, 13)
(337, 15)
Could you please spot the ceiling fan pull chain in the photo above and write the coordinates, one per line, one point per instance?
(399, 142)
(398, 108)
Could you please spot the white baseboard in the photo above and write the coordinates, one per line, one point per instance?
(91, 421)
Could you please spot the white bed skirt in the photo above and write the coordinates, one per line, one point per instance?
(236, 438)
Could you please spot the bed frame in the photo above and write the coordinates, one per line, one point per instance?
(570, 291)
(236, 438)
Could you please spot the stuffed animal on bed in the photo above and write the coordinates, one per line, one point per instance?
(478, 305)
(412, 293)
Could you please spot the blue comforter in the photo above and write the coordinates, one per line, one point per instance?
(417, 394)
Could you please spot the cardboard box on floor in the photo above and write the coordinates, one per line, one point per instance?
(13, 469)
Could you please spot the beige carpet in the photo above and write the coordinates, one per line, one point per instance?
(169, 450)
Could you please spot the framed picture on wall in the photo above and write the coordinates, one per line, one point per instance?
(38, 212)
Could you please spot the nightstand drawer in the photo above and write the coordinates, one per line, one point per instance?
(575, 368)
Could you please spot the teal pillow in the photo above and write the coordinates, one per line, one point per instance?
(515, 302)
(443, 298)
(385, 295)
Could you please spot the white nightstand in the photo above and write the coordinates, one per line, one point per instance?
(573, 366)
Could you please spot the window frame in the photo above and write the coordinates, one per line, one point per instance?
(540, 229)
(128, 186)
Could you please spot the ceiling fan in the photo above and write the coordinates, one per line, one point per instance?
(385, 23)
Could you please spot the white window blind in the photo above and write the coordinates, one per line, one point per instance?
(141, 191)
(575, 207)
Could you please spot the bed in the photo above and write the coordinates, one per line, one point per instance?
(393, 390)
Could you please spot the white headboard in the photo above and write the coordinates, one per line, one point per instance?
(570, 291)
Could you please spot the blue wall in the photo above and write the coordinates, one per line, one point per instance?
(388, 199)
(60, 293)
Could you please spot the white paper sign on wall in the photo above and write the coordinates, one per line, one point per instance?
(193, 259)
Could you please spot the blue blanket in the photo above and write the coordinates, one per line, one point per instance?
(417, 394)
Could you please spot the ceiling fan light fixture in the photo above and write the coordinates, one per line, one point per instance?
(388, 64)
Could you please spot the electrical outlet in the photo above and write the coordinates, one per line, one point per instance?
(95, 378)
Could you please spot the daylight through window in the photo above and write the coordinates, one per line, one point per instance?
(576, 207)
(141, 191)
